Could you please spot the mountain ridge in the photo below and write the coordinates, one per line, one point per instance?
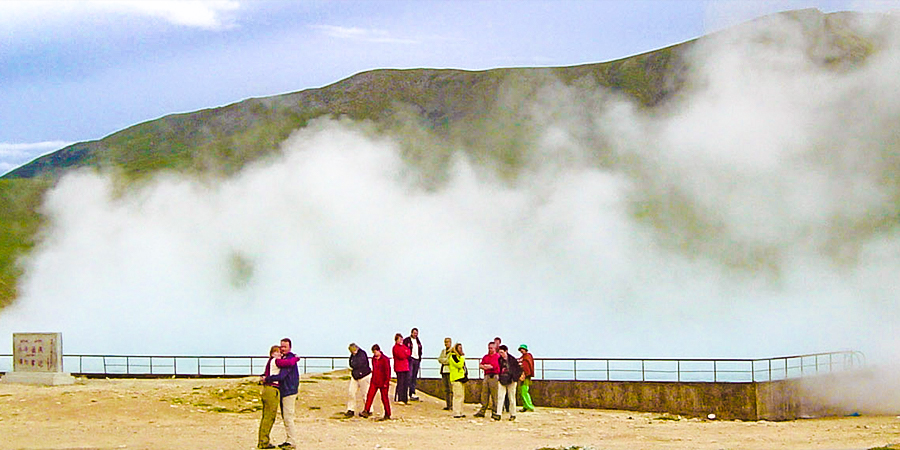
(445, 102)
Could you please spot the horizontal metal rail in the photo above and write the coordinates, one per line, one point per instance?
(578, 369)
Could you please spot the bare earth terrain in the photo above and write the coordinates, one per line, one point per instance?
(223, 414)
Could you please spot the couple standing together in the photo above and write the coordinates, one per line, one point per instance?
(281, 382)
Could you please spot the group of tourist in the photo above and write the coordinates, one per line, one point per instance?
(504, 375)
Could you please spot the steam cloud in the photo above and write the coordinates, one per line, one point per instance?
(753, 217)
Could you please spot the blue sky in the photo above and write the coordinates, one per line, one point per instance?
(76, 71)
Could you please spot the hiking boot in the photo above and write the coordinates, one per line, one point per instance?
(364, 414)
(495, 416)
(384, 418)
(349, 413)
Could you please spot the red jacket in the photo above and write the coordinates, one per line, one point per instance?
(401, 357)
(381, 372)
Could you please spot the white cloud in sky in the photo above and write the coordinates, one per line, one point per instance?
(209, 14)
(363, 34)
(14, 155)
(215, 14)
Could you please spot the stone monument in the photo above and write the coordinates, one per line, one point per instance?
(38, 359)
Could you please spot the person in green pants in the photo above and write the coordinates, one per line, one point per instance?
(271, 398)
(527, 364)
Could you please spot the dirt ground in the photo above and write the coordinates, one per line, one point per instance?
(224, 414)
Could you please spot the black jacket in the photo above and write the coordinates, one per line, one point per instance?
(510, 370)
(359, 364)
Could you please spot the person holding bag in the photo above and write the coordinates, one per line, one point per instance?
(510, 371)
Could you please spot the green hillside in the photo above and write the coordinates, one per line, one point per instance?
(478, 110)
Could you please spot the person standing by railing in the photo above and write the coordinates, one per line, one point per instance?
(443, 359)
(270, 398)
(490, 365)
(360, 377)
(508, 380)
(527, 364)
(401, 368)
(381, 381)
(458, 375)
(415, 360)
(289, 386)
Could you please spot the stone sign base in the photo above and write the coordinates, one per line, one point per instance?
(40, 378)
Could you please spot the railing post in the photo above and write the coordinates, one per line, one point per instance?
(716, 370)
(575, 369)
(643, 375)
(678, 370)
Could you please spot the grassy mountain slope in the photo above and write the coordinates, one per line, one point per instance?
(448, 103)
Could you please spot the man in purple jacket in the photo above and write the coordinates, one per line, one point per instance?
(288, 386)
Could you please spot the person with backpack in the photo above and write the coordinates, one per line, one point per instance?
(510, 371)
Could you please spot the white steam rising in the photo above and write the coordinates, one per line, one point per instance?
(754, 217)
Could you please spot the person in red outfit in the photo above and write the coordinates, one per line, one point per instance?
(381, 381)
(401, 367)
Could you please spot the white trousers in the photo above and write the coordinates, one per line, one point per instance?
(288, 405)
(356, 394)
(507, 391)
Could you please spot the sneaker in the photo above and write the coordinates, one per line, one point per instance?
(285, 445)
(512, 418)
(459, 416)
(349, 413)
(384, 418)
(414, 398)
(479, 414)
(364, 414)
(495, 416)
(266, 446)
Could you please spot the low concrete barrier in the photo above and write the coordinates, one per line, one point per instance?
(771, 400)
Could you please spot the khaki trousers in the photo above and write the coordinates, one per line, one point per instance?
(356, 393)
(489, 393)
(287, 414)
(270, 400)
(504, 392)
(459, 396)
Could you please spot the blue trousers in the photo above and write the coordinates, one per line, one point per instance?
(413, 375)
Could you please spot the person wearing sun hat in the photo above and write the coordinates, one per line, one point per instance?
(527, 364)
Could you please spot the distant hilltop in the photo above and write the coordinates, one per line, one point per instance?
(433, 114)
(445, 101)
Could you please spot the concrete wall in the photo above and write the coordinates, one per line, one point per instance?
(777, 400)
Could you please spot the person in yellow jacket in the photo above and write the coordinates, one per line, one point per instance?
(458, 376)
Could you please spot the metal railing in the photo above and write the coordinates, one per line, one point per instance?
(578, 369)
